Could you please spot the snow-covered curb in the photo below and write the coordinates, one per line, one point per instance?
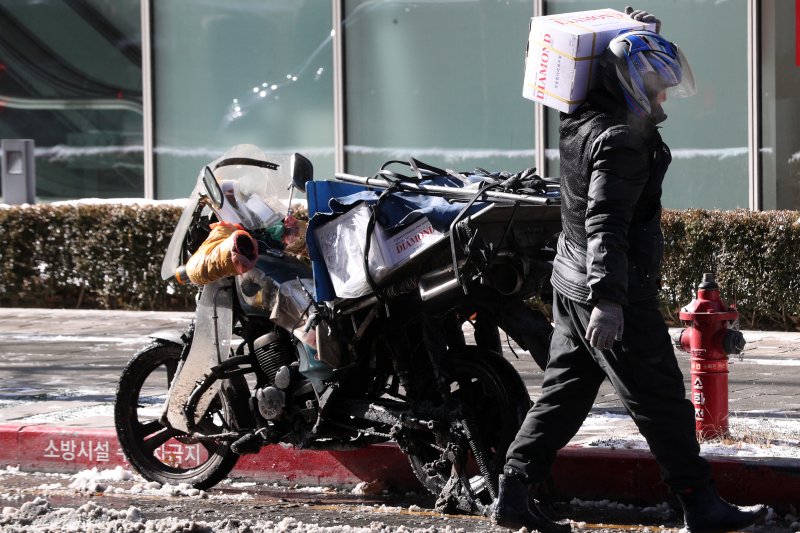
(180, 202)
(751, 436)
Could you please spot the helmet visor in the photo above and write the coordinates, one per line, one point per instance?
(685, 86)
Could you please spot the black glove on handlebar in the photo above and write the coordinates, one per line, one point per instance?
(526, 181)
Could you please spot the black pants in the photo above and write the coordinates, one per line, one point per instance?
(644, 372)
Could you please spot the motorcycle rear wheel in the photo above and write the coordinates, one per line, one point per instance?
(497, 400)
(159, 453)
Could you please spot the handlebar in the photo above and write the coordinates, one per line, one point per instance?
(452, 193)
(181, 276)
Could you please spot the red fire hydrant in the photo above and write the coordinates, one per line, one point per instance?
(710, 340)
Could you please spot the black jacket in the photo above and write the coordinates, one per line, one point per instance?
(612, 167)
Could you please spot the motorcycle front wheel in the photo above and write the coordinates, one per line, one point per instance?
(164, 454)
(495, 399)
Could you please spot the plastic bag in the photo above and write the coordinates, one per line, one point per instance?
(294, 236)
(227, 251)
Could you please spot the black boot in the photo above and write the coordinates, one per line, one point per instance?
(705, 512)
(514, 508)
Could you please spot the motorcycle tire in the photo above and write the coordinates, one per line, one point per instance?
(497, 400)
(156, 452)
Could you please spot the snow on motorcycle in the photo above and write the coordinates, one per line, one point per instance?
(355, 346)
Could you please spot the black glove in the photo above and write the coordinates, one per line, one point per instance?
(643, 16)
(525, 182)
(605, 325)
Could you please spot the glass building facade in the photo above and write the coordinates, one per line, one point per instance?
(129, 98)
(71, 80)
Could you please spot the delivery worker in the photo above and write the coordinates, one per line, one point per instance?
(606, 282)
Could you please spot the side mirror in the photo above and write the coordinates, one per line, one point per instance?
(302, 171)
(213, 189)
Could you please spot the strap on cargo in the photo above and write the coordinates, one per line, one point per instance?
(370, 230)
(421, 170)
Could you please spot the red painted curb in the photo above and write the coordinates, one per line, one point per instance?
(586, 473)
(8, 444)
(634, 475)
(383, 462)
(55, 449)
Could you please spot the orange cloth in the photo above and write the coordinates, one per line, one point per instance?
(227, 251)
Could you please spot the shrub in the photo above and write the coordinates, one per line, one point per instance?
(108, 256)
(753, 255)
(105, 256)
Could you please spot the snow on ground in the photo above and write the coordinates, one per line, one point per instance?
(103, 481)
(116, 201)
(750, 436)
(94, 480)
(770, 362)
(178, 202)
(662, 508)
(59, 339)
(39, 516)
(86, 412)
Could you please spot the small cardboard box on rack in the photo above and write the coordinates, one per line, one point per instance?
(342, 242)
(563, 52)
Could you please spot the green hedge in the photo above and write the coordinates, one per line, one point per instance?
(108, 256)
(755, 256)
(105, 256)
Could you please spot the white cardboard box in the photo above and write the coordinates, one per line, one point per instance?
(563, 52)
(342, 242)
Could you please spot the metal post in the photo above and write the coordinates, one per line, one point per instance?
(755, 180)
(18, 171)
(338, 87)
(147, 101)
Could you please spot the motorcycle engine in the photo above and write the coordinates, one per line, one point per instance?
(274, 353)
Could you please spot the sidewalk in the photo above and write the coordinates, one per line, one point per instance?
(59, 371)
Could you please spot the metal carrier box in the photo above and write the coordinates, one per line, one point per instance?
(563, 52)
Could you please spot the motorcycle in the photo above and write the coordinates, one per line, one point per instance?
(267, 361)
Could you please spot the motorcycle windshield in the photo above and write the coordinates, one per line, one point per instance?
(255, 189)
